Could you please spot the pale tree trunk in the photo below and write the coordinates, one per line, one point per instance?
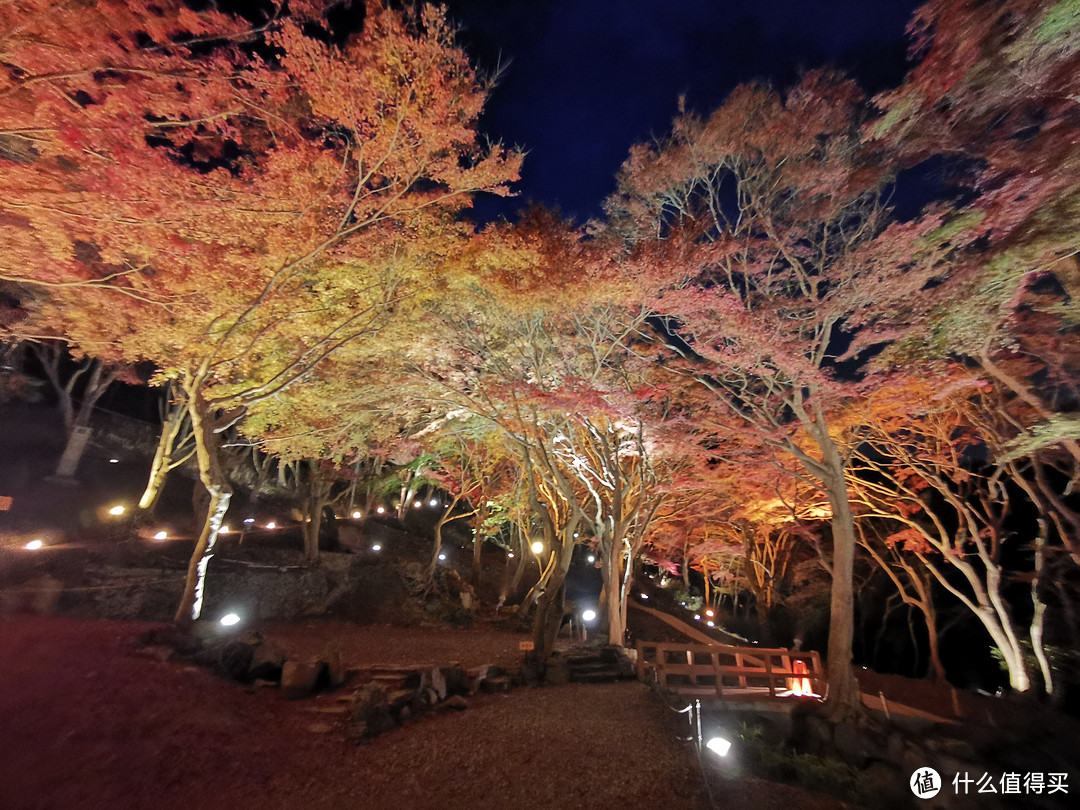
(1038, 616)
(175, 435)
(101, 377)
(550, 607)
(212, 476)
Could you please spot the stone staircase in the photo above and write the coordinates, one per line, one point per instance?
(590, 665)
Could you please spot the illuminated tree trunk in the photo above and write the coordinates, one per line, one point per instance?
(550, 606)
(317, 496)
(212, 476)
(478, 543)
(843, 688)
(174, 435)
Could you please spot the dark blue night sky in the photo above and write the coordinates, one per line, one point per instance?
(588, 78)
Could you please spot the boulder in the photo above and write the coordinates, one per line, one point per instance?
(336, 673)
(266, 662)
(298, 678)
(455, 679)
(370, 712)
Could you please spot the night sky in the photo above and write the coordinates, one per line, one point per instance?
(589, 78)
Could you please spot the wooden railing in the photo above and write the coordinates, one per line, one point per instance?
(717, 670)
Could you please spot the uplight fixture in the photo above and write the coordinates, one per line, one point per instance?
(34, 545)
(271, 525)
(591, 558)
(537, 547)
(719, 746)
(117, 510)
(114, 461)
(433, 502)
(588, 615)
(381, 510)
(376, 547)
(161, 535)
(229, 619)
(442, 556)
(357, 515)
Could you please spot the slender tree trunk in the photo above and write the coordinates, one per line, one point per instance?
(212, 476)
(171, 429)
(1039, 613)
(843, 688)
(100, 379)
(478, 544)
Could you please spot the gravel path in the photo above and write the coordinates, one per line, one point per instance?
(87, 723)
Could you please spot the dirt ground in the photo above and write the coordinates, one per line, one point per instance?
(87, 722)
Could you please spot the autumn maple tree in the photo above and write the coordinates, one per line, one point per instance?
(247, 194)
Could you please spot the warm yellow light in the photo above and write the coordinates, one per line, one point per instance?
(117, 510)
(510, 555)
(223, 530)
(709, 612)
(537, 547)
(34, 545)
(416, 504)
(271, 525)
(357, 515)
(381, 510)
(161, 535)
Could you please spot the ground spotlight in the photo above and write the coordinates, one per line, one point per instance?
(509, 555)
(442, 556)
(117, 510)
(357, 515)
(249, 520)
(537, 547)
(433, 502)
(271, 525)
(161, 535)
(381, 510)
(223, 530)
(376, 547)
(644, 596)
(711, 623)
(34, 545)
(697, 617)
(588, 615)
(719, 746)
(114, 461)
(229, 619)
(416, 504)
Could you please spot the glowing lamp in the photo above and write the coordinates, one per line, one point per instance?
(711, 623)
(576, 535)
(433, 502)
(229, 619)
(697, 617)
(223, 530)
(644, 596)
(381, 510)
(591, 558)
(357, 515)
(719, 746)
(709, 612)
(249, 521)
(376, 547)
(442, 556)
(588, 615)
(537, 547)
(161, 535)
(271, 525)
(114, 461)
(34, 545)
(509, 555)
(416, 504)
(117, 510)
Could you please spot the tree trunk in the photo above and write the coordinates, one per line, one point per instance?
(207, 445)
(79, 435)
(843, 696)
(174, 419)
(478, 545)
(549, 605)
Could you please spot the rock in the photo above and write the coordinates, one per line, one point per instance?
(558, 670)
(433, 679)
(370, 713)
(400, 699)
(456, 702)
(320, 728)
(500, 684)
(336, 673)
(455, 679)
(266, 662)
(475, 677)
(466, 600)
(404, 715)
(298, 678)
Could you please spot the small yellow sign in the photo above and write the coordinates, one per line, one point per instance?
(526, 646)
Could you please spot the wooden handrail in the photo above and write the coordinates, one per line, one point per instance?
(768, 671)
